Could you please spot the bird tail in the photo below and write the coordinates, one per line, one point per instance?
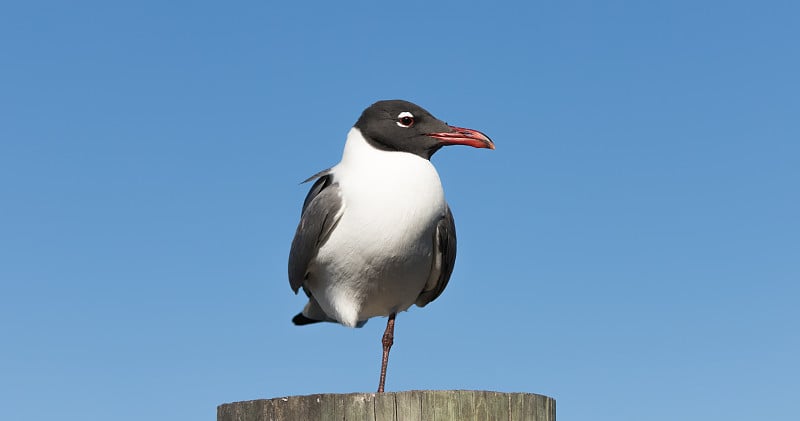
(301, 320)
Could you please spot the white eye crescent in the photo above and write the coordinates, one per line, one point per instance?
(405, 119)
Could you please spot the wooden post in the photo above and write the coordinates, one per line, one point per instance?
(438, 405)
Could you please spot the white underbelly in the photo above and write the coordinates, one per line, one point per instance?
(367, 272)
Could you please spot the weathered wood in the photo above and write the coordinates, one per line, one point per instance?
(415, 405)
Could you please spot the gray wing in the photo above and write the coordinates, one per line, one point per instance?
(322, 209)
(444, 258)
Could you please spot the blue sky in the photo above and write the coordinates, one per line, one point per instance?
(632, 247)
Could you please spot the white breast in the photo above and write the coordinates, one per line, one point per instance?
(378, 258)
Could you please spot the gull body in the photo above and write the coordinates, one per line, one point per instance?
(380, 256)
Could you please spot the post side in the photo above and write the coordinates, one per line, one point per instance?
(439, 405)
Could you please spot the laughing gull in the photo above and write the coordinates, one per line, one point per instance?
(376, 234)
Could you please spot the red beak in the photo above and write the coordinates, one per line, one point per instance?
(462, 136)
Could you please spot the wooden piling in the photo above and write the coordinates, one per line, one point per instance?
(415, 405)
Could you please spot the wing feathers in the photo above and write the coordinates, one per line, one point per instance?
(322, 209)
(444, 259)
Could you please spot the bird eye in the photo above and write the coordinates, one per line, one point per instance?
(405, 119)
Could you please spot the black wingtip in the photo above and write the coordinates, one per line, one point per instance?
(301, 320)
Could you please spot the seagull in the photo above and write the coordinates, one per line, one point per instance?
(376, 234)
